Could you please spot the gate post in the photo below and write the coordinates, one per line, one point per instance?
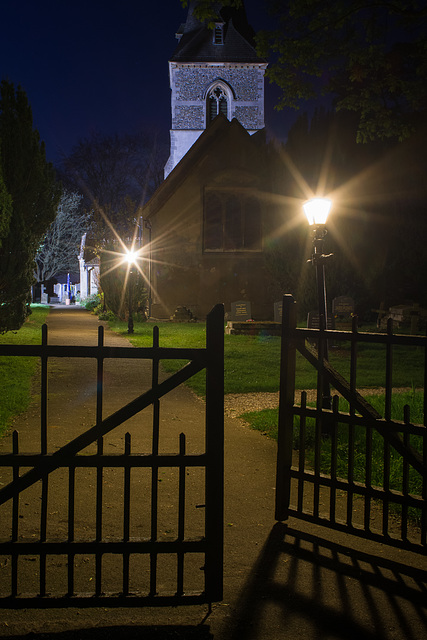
(286, 403)
(214, 515)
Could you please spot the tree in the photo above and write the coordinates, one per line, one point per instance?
(30, 181)
(370, 58)
(116, 174)
(59, 250)
(5, 208)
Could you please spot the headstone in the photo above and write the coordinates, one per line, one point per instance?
(241, 310)
(313, 321)
(44, 298)
(343, 306)
(278, 311)
(342, 312)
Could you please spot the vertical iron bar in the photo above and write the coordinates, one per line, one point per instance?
(99, 490)
(386, 484)
(317, 454)
(100, 375)
(15, 518)
(333, 493)
(387, 416)
(154, 469)
(350, 450)
(214, 488)
(126, 513)
(301, 456)
(181, 490)
(389, 370)
(100, 452)
(405, 474)
(322, 428)
(43, 389)
(181, 513)
(71, 521)
(15, 500)
(98, 519)
(286, 406)
(350, 474)
(71, 501)
(43, 531)
(368, 478)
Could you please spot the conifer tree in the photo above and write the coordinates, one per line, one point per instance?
(30, 182)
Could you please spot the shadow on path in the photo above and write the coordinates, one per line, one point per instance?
(319, 589)
(154, 632)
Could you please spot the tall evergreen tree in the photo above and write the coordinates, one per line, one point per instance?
(30, 181)
(5, 208)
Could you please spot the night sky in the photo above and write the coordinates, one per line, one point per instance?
(100, 65)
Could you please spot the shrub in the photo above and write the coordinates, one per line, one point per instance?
(91, 302)
(105, 315)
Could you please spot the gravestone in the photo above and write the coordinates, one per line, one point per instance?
(342, 312)
(313, 321)
(241, 310)
(278, 311)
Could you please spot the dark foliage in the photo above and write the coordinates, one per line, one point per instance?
(30, 182)
(116, 175)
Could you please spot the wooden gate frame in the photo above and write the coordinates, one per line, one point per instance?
(361, 413)
(43, 463)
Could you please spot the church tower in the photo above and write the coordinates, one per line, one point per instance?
(214, 71)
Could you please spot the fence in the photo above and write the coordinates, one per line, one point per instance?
(141, 566)
(312, 481)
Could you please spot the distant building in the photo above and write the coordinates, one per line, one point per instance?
(212, 72)
(212, 216)
(89, 269)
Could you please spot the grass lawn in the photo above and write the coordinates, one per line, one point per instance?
(252, 363)
(16, 373)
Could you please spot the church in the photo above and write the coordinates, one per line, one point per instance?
(211, 218)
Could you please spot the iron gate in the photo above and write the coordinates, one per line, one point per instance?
(134, 560)
(329, 496)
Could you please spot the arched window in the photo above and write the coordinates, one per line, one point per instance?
(217, 103)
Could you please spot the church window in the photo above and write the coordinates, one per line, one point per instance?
(217, 103)
(232, 222)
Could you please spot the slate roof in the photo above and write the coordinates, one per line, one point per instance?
(196, 43)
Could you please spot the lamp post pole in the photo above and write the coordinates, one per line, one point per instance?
(131, 258)
(317, 210)
(130, 316)
(148, 227)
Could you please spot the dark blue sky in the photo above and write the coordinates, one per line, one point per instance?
(99, 65)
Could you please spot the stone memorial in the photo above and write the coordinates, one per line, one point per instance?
(342, 312)
(241, 311)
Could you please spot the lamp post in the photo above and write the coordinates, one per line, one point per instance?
(317, 211)
(148, 227)
(130, 257)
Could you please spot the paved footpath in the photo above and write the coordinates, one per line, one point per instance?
(282, 580)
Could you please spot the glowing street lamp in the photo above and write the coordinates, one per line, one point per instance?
(317, 211)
